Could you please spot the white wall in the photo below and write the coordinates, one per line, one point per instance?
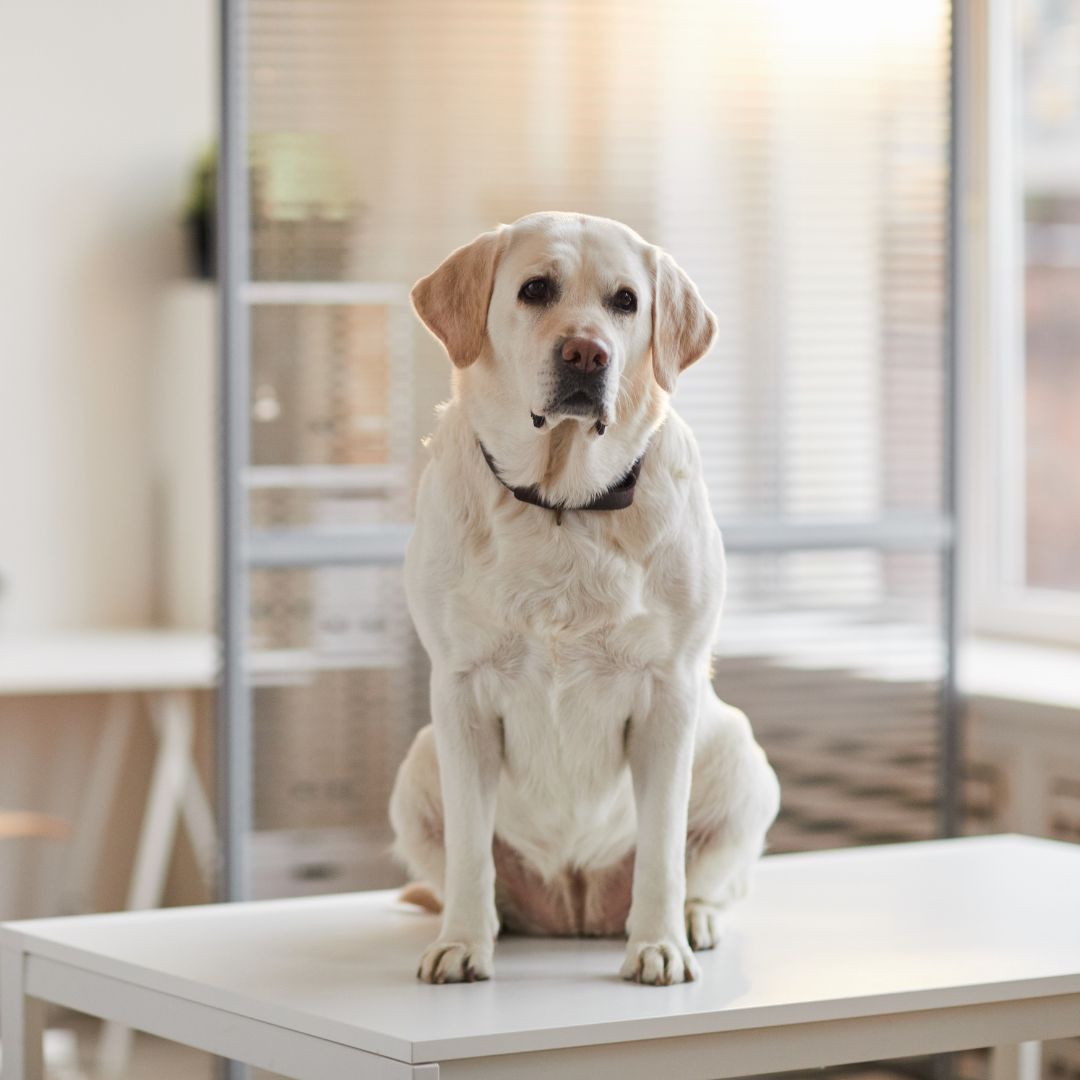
(106, 105)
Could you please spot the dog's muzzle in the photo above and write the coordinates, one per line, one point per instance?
(581, 381)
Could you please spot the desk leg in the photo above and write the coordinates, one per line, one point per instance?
(21, 1022)
(101, 787)
(1018, 1061)
(175, 728)
(199, 816)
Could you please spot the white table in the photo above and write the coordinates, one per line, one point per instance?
(164, 669)
(838, 957)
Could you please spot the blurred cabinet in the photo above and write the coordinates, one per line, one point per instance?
(329, 647)
(320, 653)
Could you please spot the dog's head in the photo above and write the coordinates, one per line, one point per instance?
(570, 311)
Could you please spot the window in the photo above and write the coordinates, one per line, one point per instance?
(1023, 326)
(1049, 108)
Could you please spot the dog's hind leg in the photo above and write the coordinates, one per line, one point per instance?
(527, 902)
(734, 797)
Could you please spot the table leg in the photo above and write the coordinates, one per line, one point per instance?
(175, 728)
(21, 1022)
(108, 761)
(174, 723)
(1017, 1061)
(199, 818)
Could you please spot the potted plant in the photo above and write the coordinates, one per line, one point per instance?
(200, 217)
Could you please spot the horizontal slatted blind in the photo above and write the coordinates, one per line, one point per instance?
(791, 155)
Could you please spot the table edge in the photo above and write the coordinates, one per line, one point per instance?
(421, 1051)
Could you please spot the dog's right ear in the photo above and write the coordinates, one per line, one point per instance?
(452, 302)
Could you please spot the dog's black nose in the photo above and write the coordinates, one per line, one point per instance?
(585, 354)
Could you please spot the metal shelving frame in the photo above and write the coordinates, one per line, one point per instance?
(244, 549)
(234, 735)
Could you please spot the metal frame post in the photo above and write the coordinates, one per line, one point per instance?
(234, 735)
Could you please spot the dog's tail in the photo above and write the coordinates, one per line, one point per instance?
(422, 895)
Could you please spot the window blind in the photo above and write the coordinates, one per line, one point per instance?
(793, 157)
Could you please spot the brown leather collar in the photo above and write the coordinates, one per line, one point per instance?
(617, 497)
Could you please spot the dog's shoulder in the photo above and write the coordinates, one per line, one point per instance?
(685, 563)
(674, 496)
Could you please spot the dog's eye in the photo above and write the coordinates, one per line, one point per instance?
(536, 290)
(624, 300)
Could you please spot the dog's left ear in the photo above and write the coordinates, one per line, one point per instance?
(453, 300)
(683, 327)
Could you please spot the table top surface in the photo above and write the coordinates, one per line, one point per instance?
(823, 936)
(96, 661)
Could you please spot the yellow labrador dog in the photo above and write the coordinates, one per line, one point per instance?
(580, 776)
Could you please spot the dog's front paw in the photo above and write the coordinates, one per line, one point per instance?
(660, 963)
(456, 961)
(703, 925)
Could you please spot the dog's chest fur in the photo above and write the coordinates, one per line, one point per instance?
(559, 631)
(570, 636)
